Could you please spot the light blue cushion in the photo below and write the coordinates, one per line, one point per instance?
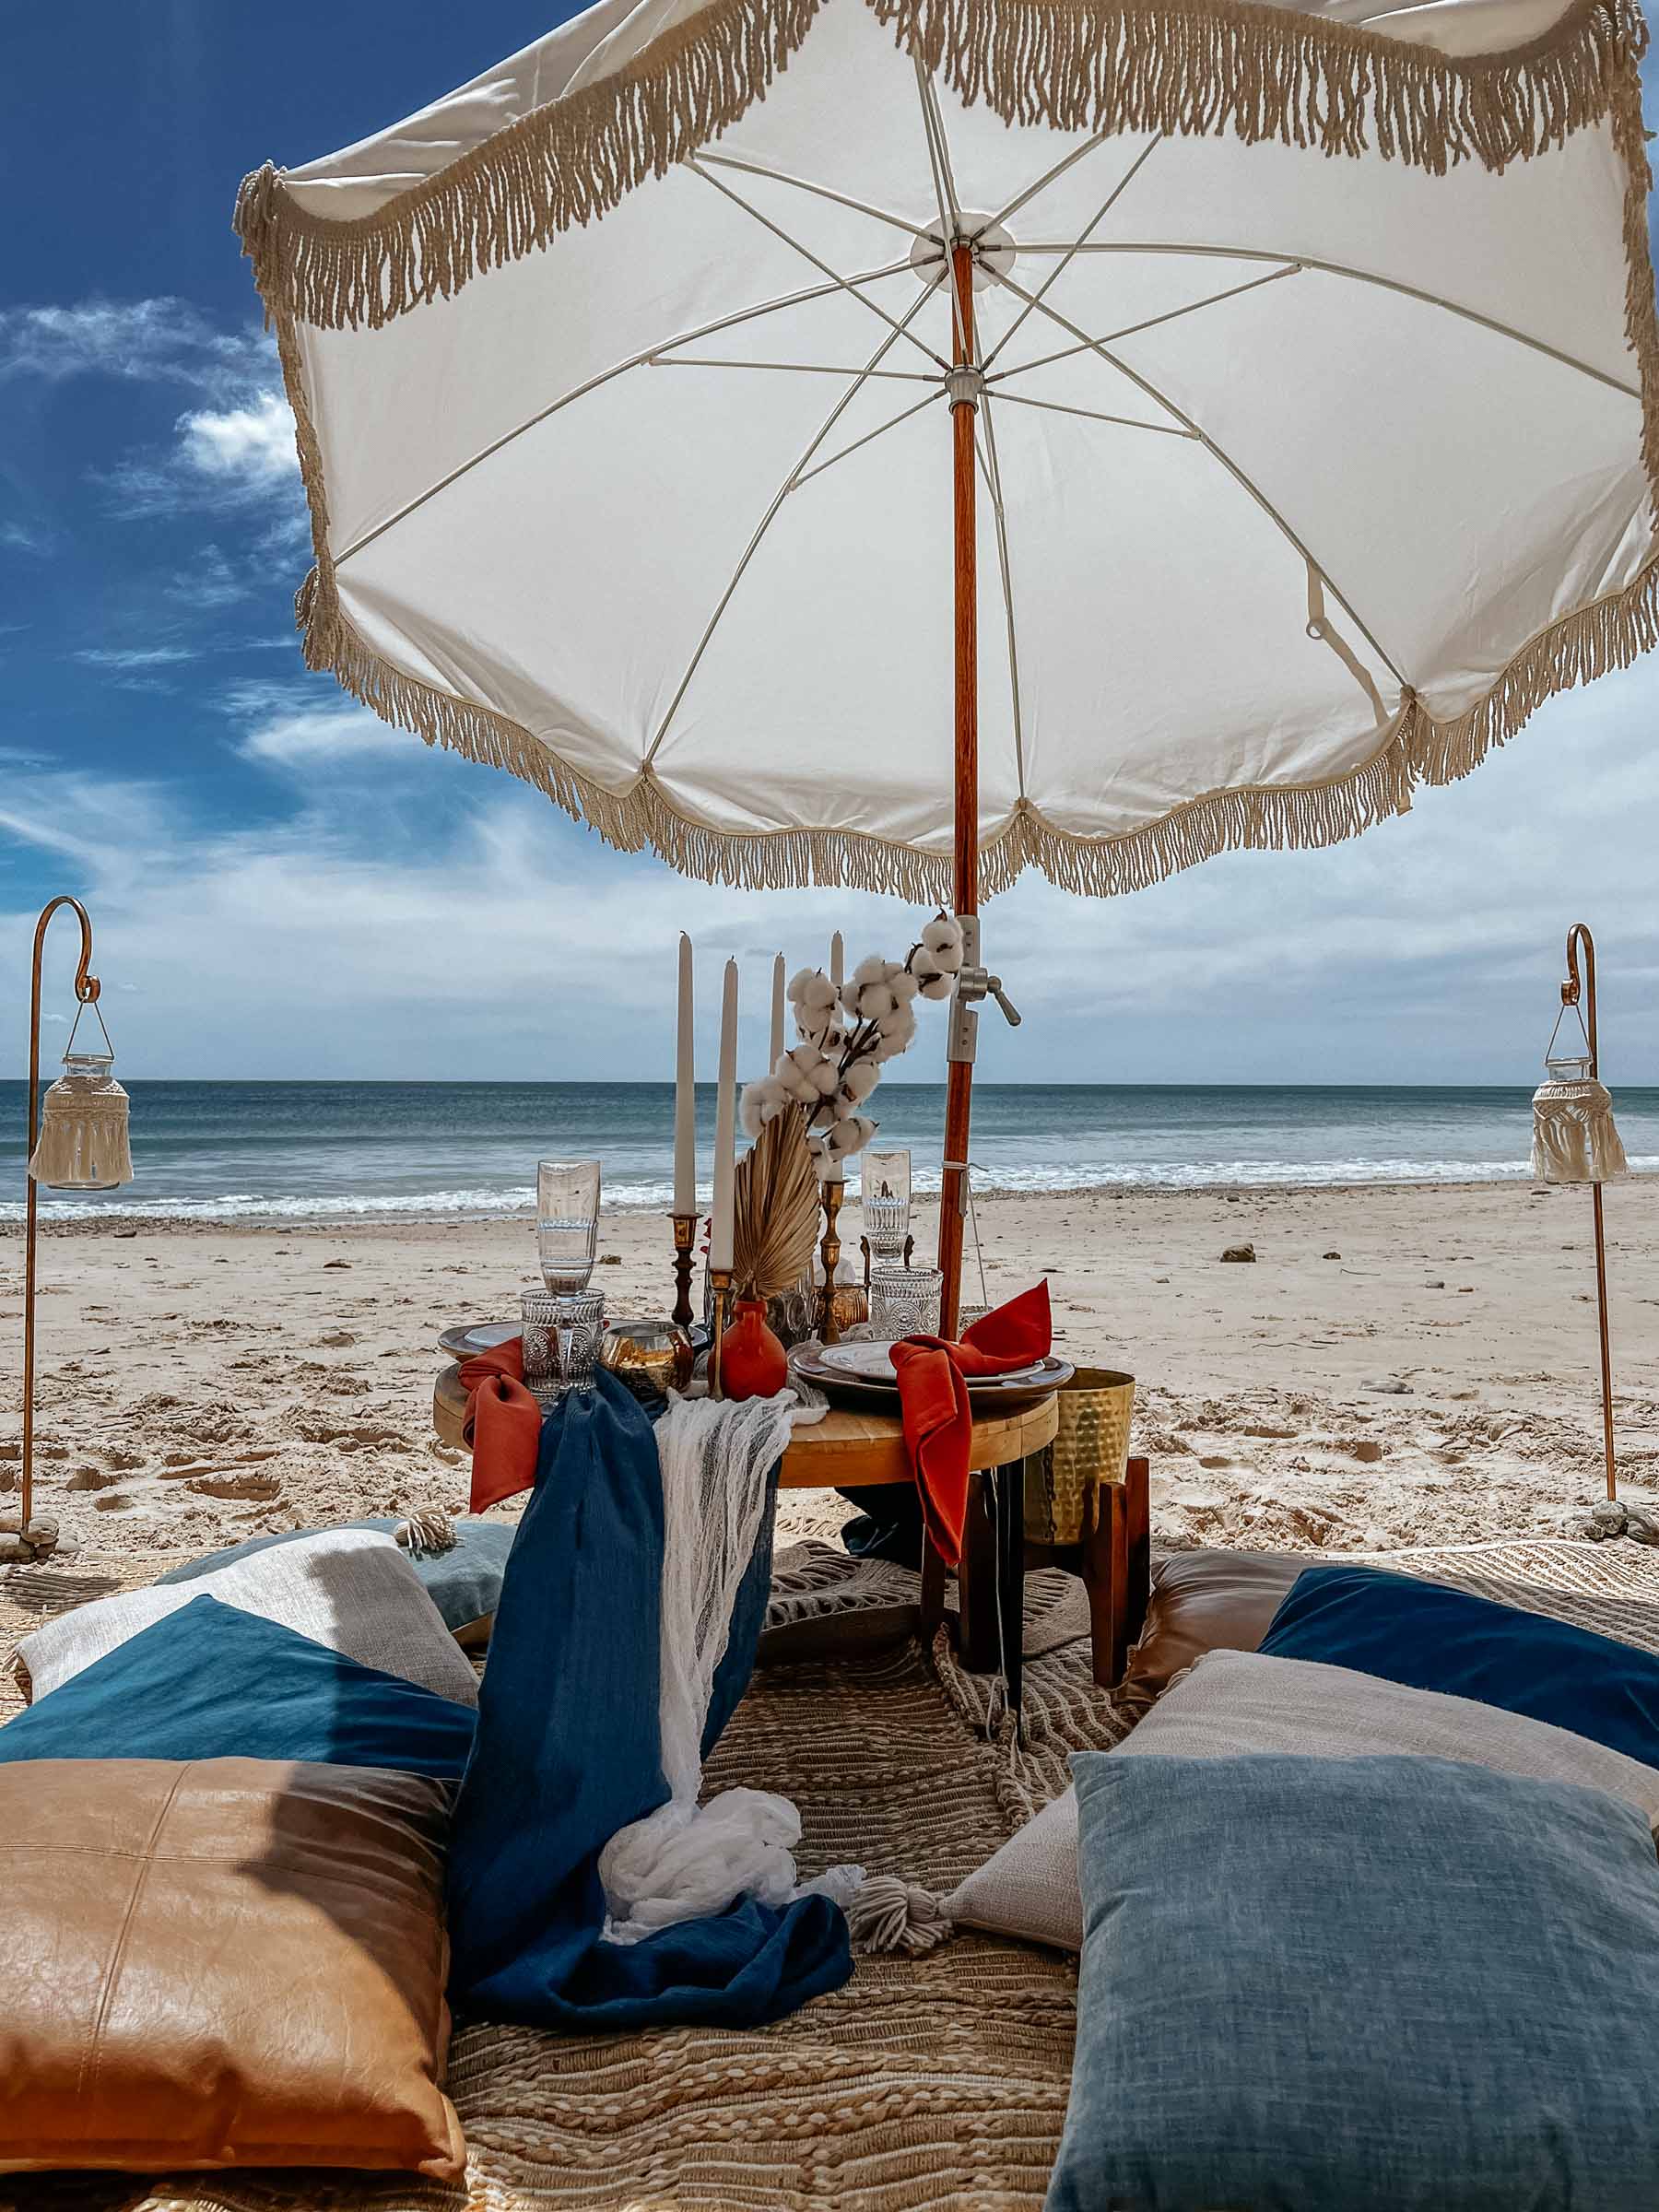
(1431, 1638)
(213, 1682)
(463, 1583)
(1390, 1984)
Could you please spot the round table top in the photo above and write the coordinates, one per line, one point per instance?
(844, 1451)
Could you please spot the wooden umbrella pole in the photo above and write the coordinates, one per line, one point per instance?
(1576, 936)
(959, 1093)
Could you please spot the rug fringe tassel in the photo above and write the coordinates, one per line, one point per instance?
(891, 1914)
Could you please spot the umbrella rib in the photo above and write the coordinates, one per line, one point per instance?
(846, 283)
(1049, 176)
(824, 192)
(994, 473)
(1125, 422)
(634, 361)
(1341, 268)
(765, 523)
(892, 423)
(1244, 482)
(1132, 330)
(891, 376)
(1060, 268)
(951, 223)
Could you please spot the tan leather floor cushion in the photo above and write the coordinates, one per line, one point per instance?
(1204, 1601)
(233, 1962)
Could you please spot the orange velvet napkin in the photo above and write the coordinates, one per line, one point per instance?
(502, 1424)
(932, 1399)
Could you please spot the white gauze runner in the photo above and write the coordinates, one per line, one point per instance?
(686, 1860)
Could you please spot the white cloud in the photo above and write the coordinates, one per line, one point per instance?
(159, 340)
(24, 537)
(322, 737)
(127, 659)
(249, 446)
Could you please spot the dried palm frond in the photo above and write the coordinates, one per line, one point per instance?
(775, 1211)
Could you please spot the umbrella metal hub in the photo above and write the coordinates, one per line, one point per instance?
(989, 244)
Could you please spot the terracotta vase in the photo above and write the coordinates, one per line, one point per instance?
(753, 1363)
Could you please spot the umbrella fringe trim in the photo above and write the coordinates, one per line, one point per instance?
(1209, 67)
(1417, 750)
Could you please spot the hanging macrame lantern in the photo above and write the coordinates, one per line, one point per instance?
(1574, 1137)
(83, 1140)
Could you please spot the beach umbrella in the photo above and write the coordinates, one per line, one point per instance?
(901, 442)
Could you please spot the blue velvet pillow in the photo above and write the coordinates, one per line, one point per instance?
(463, 1583)
(1388, 1984)
(213, 1682)
(1432, 1638)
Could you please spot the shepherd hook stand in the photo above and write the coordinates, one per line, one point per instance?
(1572, 991)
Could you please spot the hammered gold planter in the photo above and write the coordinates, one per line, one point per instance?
(1092, 1447)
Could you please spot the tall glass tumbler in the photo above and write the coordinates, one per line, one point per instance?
(567, 1243)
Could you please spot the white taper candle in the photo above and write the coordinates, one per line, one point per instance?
(777, 1021)
(685, 1092)
(725, 1126)
(835, 959)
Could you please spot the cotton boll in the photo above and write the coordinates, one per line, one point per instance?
(943, 938)
(936, 986)
(898, 1027)
(860, 1080)
(903, 986)
(749, 1115)
(798, 984)
(923, 967)
(873, 970)
(852, 1137)
(876, 1001)
(826, 1075)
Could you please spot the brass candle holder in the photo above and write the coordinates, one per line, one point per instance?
(720, 1285)
(829, 1253)
(685, 1239)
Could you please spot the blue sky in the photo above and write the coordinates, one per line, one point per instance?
(282, 886)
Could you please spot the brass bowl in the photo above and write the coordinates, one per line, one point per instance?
(651, 1357)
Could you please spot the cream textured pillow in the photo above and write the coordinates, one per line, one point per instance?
(353, 1590)
(1229, 1703)
(1239, 1702)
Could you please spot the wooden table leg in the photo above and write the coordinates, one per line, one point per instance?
(1137, 1506)
(1117, 1567)
(977, 1580)
(1010, 1567)
(932, 1589)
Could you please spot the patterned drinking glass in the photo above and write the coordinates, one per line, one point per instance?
(566, 1221)
(561, 1332)
(904, 1302)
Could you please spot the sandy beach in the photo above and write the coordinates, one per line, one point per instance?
(1397, 1366)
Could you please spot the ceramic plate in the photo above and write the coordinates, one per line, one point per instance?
(879, 1392)
(476, 1336)
(873, 1362)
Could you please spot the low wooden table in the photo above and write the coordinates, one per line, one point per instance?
(858, 1450)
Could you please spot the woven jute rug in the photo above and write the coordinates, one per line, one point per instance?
(934, 2082)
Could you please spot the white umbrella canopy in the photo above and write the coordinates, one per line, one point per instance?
(1315, 417)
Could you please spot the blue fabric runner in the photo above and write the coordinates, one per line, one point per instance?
(567, 1752)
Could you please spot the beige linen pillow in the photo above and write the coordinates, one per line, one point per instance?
(352, 1589)
(1229, 1703)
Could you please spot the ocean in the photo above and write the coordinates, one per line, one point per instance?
(293, 1151)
